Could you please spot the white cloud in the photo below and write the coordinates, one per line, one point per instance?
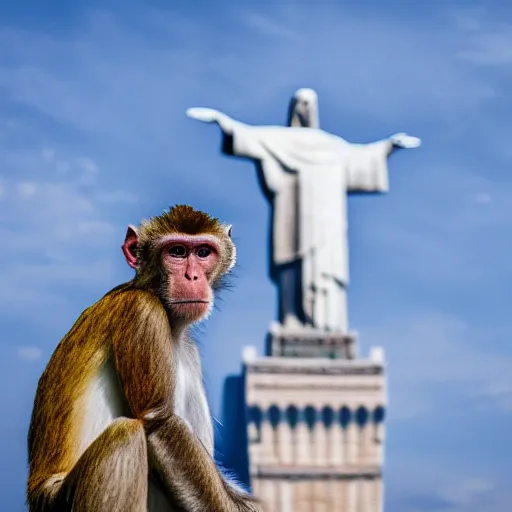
(57, 240)
(498, 393)
(89, 171)
(427, 485)
(27, 189)
(48, 154)
(83, 171)
(30, 353)
(466, 492)
(488, 42)
(482, 197)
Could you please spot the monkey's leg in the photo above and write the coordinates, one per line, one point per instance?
(111, 475)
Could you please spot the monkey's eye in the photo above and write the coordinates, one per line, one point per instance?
(204, 251)
(178, 251)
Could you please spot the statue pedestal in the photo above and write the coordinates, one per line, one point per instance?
(315, 425)
(315, 421)
(305, 341)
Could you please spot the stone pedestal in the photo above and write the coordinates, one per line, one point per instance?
(309, 342)
(315, 424)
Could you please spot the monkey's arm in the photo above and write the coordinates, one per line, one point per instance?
(190, 474)
(143, 354)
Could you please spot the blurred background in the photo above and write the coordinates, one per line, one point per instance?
(93, 136)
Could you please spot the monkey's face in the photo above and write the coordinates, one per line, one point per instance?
(190, 264)
(182, 256)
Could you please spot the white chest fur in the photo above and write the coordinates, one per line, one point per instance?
(104, 400)
(190, 402)
(103, 404)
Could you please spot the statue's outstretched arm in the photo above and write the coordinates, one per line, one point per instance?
(404, 141)
(243, 140)
(210, 115)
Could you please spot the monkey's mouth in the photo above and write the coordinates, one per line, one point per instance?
(190, 309)
(190, 301)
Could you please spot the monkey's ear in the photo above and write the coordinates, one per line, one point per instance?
(228, 229)
(130, 246)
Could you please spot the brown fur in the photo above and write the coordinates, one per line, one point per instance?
(130, 329)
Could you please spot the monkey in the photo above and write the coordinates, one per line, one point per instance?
(120, 421)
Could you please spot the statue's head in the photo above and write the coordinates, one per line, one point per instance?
(303, 109)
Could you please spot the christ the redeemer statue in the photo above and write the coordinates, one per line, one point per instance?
(308, 173)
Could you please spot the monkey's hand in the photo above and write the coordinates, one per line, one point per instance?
(402, 140)
(210, 115)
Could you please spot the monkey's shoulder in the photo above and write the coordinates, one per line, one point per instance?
(123, 300)
(88, 344)
(116, 311)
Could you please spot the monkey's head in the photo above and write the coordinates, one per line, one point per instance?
(182, 256)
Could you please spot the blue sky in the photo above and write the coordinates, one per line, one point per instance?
(93, 136)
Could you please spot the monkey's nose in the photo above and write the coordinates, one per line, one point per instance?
(191, 277)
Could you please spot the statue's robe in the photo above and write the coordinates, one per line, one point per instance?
(309, 172)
